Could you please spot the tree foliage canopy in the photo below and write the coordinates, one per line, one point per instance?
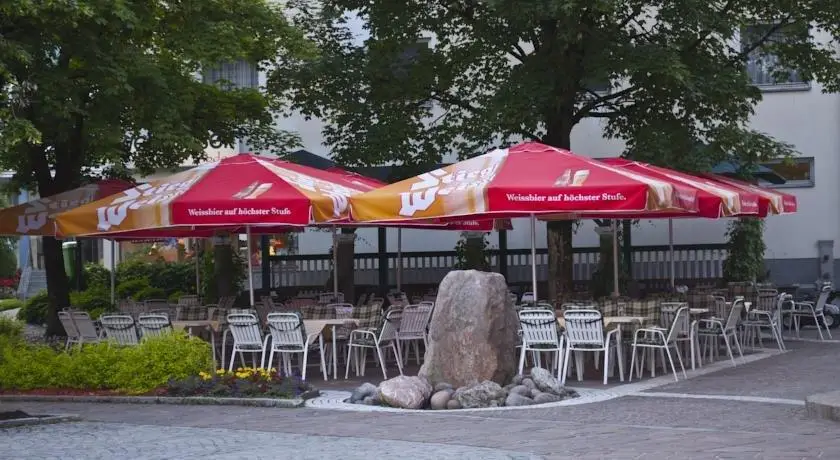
(88, 83)
(500, 71)
(115, 83)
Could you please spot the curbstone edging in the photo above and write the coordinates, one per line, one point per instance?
(189, 400)
(824, 406)
(45, 420)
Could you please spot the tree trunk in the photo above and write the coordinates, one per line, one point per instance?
(560, 258)
(346, 248)
(223, 266)
(560, 233)
(58, 286)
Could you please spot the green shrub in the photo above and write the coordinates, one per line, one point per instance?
(35, 309)
(171, 277)
(128, 289)
(175, 296)
(94, 298)
(150, 293)
(10, 327)
(10, 304)
(97, 275)
(135, 370)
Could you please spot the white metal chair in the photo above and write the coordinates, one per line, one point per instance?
(189, 300)
(715, 328)
(662, 339)
(119, 329)
(413, 326)
(539, 335)
(69, 329)
(247, 336)
(342, 310)
(527, 297)
(687, 335)
(764, 314)
(813, 310)
(88, 333)
(331, 297)
(153, 325)
(362, 340)
(288, 337)
(585, 333)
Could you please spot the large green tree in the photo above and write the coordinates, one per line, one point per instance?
(93, 83)
(667, 78)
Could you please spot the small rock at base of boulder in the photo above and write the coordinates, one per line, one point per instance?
(440, 400)
(366, 389)
(368, 401)
(544, 398)
(480, 395)
(440, 386)
(529, 383)
(546, 382)
(517, 379)
(405, 392)
(453, 404)
(535, 392)
(516, 399)
(521, 390)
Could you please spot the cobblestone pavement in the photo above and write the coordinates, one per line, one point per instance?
(808, 369)
(90, 441)
(708, 417)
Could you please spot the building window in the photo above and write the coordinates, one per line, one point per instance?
(236, 74)
(763, 66)
(598, 87)
(797, 172)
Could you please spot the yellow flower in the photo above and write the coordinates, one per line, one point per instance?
(204, 375)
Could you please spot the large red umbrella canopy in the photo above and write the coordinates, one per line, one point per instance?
(714, 199)
(238, 191)
(769, 201)
(483, 225)
(526, 179)
(36, 217)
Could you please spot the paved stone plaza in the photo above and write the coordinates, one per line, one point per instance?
(754, 411)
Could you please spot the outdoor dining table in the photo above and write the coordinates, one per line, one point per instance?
(616, 320)
(316, 326)
(211, 325)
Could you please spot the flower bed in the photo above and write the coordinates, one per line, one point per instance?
(241, 383)
(172, 366)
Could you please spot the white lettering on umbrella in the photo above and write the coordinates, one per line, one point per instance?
(338, 194)
(36, 213)
(474, 176)
(141, 196)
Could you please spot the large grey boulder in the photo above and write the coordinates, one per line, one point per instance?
(472, 334)
(405, 392)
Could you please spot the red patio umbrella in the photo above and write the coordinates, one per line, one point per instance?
(769, 201)
(529, 179)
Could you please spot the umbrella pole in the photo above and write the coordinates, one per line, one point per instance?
(671, 251)
(534, 256)
(113, 273)
(399, 260)
(250, 266)
(335, 262)
(615, 257)
(197, 261)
